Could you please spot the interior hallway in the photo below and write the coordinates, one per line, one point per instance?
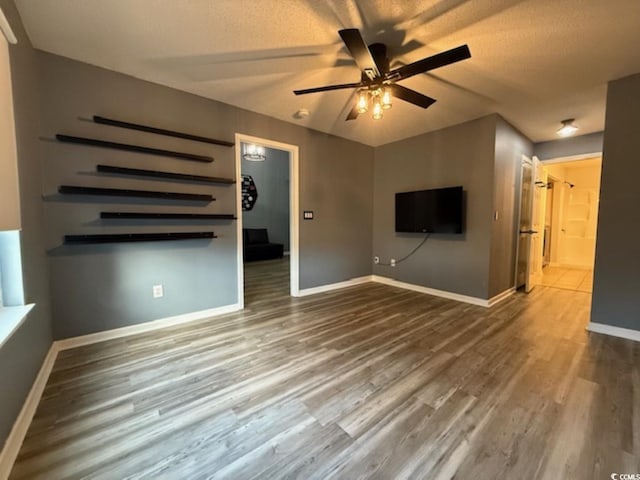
(578, 279)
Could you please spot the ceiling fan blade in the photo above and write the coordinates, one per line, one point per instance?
(328, 88)
(359, 50)
(411, 96)
(436, 61)
(353, 113)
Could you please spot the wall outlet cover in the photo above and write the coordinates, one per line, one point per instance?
(308, 215)
(393, 262)
(376, 259)
(158, 291)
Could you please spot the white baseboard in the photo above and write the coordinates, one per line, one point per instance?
(145, 327)
(614, 331)
(14, 441)
(334, 286)
(500, 297)
(482, 302)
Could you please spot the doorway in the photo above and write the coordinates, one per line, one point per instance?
(267, 206)
(558, 222)
(571, 223)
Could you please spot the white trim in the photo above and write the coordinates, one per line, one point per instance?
(481, 302)
(14, 441)
(6, 29)
(410, 286)
(10, 319)
(239, 244)
(82, 340)
(294, 207)
(500, 297)
(614, 331)
(335, 286)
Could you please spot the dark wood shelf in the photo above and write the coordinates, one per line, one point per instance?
(159, 131)
(160, 174)
(135, 237)
(186, 216)
(133, 148)
(116, 192)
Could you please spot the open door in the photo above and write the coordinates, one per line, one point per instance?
(538, 206)
(532, 211)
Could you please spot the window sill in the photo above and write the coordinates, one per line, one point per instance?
(10, 319)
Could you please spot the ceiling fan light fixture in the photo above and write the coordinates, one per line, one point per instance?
(568, 128)
(386, 99)
(363, 101)
(254, 153)
(377, 108)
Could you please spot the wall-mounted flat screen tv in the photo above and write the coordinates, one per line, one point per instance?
(439, 210)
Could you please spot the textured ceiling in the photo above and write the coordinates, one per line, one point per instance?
(535, 62)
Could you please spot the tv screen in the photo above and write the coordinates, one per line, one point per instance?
(430, 211)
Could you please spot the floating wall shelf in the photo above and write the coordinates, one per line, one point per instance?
(133, 148)
(135, 237)
(116, 192)
(159, 131)
(159, 174)
(187, 216)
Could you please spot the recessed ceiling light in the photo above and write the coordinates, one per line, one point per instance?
(568, 128)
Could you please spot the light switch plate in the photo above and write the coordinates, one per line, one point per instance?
(158, 291)
(308, 215)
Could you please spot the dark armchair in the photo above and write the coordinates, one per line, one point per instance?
(257, 246)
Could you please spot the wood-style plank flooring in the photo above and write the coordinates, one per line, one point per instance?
(365, 382)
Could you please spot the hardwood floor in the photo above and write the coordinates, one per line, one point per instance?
(365, 382)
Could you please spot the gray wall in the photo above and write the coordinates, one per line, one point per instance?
(567, 147)
(458, 155)
(271, 210)
(617, 280)
(102, 287)
(22, 356)
(510, 145)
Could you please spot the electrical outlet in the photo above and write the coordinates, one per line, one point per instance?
(376, 260)
(393, 262)
(158, 291)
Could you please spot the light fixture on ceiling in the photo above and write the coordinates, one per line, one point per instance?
(386, 99)
(376, 99)
(302, 113)
(254, 153)
(363, 101)
(377, 108)
(568, 128)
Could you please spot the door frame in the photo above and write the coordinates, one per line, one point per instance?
(523, 159)
(550, 161)
(577, 158)
(294, 206)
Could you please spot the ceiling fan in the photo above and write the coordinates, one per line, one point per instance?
(378, 82)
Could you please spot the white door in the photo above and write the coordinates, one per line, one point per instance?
(536, 231)
(531, 231)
